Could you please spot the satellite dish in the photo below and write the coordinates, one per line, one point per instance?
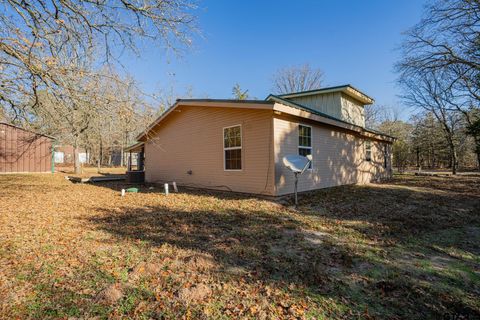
(297, 164)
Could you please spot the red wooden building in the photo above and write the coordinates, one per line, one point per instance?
(22, 150)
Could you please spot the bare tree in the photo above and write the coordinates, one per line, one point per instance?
(95, 110)
(47, 54)
(36, 35)
(421, 141)
(428, 141)
(429, 91)
(447, 41)
(447, 36)
(69, 111)
(372, 115)
(296, 79)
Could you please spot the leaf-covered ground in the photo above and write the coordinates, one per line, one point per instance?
(409, 248)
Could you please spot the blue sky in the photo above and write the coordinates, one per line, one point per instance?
(247, 41)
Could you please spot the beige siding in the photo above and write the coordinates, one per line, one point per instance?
(336, 104)
(191, 138)
(328, 103)
(338, 157)
(352, 111)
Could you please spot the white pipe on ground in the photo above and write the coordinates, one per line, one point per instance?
(165, 187)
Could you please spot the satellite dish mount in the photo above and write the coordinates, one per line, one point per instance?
(297, 164)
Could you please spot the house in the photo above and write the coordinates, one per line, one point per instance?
(22, 150)
(239, 145)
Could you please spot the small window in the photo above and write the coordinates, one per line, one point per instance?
(368, 150)
(232, 148)
(305, 141)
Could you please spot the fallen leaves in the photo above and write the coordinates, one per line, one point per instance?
(111, 294)
(83, 251)
(200, 262)
(194, 293)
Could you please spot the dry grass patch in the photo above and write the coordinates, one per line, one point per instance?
(405, 249)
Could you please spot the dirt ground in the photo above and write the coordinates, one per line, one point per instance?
(409, 248)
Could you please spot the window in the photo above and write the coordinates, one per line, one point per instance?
(368, 150)
(305, 141)
(232, 148)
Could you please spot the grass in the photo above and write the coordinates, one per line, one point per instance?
(88, 171)
(409, 248)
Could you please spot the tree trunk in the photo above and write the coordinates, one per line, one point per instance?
(76, 160)
(478, 159)
(121, 157)
(433, 159)
(418, 157)
(100, 155)
(454, 158)
(477, 152)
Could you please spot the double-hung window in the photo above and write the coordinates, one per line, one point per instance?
(305, 141)
(232, 148)
(368, 150)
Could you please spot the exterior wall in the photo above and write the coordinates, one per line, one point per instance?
(338, 157)
(191, 138)
(24, 151)
(328, 103)
(336, 104)
(352, 111)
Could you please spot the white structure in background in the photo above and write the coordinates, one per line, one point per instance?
(59, 157)
(83, 157)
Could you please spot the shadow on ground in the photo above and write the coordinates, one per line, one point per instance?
(392, 250)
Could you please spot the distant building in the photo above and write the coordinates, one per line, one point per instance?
(22, 150)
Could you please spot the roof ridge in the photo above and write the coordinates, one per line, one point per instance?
(318, 89)
(222, 100)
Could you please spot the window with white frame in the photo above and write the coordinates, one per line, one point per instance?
(232, 148)
(368, 150)
(305, 141)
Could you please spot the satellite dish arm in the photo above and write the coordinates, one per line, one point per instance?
(309, 157)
